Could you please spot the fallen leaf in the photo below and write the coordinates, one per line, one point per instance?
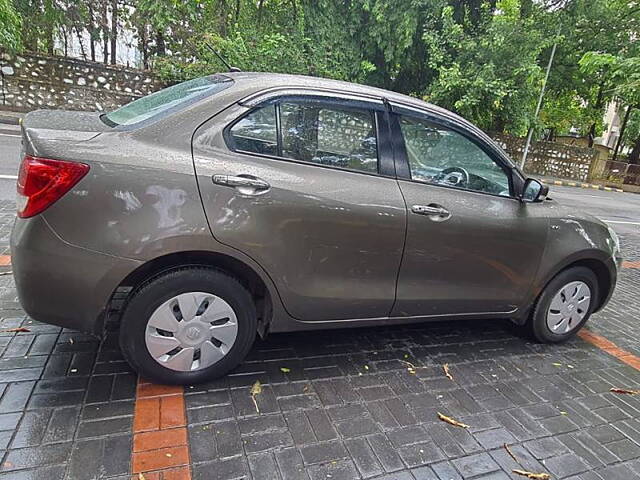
(141, 476)
(451, 421)
(285, 369)
(411, 368)
(74, 370)
(15, 330)
(624, 391)
(71, 340)
(570, 366)
(555, 364)
(366, 367)
(506, 447)
(168, 455)
(531, 475)
(256, 389)
(447, 373)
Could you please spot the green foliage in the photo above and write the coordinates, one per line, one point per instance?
(484, 59)
(492, 76)
(9, 26)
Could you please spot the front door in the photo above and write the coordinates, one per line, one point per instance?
(471, 246)
(298, 185)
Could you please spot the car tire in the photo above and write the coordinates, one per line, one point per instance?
(561, 309)
(155, 315)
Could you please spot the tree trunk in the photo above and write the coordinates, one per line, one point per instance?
(144, 47)
(105, 33)
(622, 129)
(161, 48)
(92, 32)
(114, 30)
(634, 156)
(592, 129)
(79, 36)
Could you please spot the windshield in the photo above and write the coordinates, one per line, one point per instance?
(167, 100)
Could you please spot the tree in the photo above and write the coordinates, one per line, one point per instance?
(10, 25)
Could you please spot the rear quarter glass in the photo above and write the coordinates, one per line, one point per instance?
(162, 103)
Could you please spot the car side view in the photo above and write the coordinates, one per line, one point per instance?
(248, 203)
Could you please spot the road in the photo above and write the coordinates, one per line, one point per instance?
(620, 210)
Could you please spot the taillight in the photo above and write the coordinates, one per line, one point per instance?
(42, 181)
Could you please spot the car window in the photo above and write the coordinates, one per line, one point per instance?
(167, 100)
(256, 132)
(442, 156)
(329, 135)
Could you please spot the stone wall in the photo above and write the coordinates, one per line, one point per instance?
(550, 158)
(30, 82)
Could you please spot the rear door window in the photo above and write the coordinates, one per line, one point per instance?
(329, 135)
(313, 131)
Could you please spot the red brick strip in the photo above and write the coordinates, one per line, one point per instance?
(5, 260)
(626, 264)
(160, 443)
(610, 347)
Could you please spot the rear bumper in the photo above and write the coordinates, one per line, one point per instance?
(59, 283)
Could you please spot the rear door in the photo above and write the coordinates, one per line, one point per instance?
(305, 186)
(471, 246)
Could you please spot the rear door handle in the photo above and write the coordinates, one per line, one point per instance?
(433, 211)
(247, 184)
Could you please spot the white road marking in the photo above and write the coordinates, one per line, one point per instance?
(9, 177)
(621, 222)
(17, 134)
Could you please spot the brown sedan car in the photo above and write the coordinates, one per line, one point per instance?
(250, 203)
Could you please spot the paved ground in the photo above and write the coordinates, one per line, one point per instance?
(345, 406)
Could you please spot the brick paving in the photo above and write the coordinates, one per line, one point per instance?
(338, 406)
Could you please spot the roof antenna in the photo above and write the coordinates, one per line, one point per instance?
(211, 49)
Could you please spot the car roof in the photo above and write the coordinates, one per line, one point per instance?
(265, 81)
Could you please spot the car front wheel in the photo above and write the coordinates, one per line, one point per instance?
(564, 305)
(188, 326)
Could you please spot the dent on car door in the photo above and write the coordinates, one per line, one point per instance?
(471, 246)
(314, 211)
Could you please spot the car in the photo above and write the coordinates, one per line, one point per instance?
(242, 204)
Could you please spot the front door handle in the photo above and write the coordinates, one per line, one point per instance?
(247, 184)
(433, 211)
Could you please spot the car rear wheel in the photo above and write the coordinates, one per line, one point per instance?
(188, 326)
(564, 305)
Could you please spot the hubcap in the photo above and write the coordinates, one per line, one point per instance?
(568, 307)
(191, 331)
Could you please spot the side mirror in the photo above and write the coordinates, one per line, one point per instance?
(534, 191)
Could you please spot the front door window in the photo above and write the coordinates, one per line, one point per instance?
(442, 156)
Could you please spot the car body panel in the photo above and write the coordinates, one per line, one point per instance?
(484, 258)
(312, 230)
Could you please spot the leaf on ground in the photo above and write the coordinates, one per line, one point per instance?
(411, 368)
(447, 373)
(531, 475)
(451, 421)
(16, 330)
(257, 388)
(556, 364)
(624, 391)
(285, 369)
(141, 476)
(506, 447)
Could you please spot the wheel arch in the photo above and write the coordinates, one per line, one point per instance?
(598, 265)
(155, 267)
